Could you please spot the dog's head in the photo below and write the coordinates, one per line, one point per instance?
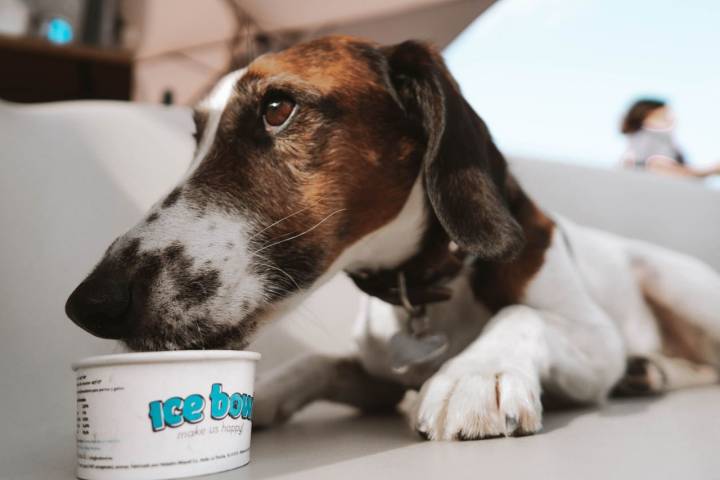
(330, 155)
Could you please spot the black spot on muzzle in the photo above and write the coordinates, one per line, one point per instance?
(194, 286)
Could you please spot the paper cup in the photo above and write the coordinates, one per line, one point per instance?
(163, 414)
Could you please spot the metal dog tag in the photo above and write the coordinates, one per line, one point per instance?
(414, 344)
(408, 350)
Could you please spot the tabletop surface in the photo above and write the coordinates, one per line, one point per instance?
(675, 436)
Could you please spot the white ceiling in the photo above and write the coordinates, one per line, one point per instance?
(289, 14)
(157, 26)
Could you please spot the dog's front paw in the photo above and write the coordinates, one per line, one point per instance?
(470, 405)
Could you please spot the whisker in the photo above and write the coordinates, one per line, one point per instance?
(279, 237)
(281, 271)
(299, 234)
(276, 222)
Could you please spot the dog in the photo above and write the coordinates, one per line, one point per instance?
(343, 155)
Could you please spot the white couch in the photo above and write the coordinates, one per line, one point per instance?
(75, 175)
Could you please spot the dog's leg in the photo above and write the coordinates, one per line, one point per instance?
(657, 373)
(684, 285)
(493, 387)
(289, 388)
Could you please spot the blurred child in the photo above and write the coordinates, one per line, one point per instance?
(649, 126)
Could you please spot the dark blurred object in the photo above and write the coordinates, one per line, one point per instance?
(168, 97)
(101, 24)
(35, 70)
(71, 54)
(57, 21)
(90, 22)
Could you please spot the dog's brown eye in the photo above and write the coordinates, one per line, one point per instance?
(277, 111)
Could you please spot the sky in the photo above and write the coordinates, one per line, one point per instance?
(552, 78)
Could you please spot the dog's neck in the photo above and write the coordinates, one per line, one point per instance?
(437, 260)
(420, 279)
(420, 251)
(395, 242)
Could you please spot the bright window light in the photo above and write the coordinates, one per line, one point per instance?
(553, 77)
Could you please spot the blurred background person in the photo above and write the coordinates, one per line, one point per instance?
(649, 125)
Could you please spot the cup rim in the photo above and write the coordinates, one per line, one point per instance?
(173, 356)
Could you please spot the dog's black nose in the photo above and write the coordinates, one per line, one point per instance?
(100, 305)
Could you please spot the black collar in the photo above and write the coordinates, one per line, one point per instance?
(419, 281)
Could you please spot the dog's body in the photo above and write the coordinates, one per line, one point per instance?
(339, 155)
(602, 312)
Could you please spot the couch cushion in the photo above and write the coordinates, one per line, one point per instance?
(677, 213)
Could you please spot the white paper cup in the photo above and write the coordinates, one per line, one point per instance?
(163, 414)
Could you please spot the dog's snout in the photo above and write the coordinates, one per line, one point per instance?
(100, 305)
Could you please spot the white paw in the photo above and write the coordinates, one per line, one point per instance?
(469, 405)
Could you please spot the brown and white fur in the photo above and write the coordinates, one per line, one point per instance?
(382, 161)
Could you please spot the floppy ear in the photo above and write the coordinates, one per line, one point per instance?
(465, 174)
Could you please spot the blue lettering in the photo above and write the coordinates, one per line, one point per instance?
(193, 408)
(247, 407)
(172, 410)
(176, 411)
(156, 416)
(236, 403)
(218, 402)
